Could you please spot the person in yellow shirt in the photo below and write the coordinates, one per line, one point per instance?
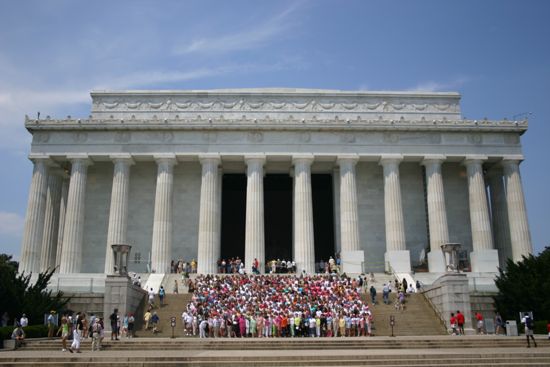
(342, 325)
(147, 319)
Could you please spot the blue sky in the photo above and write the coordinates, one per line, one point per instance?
(52, 53)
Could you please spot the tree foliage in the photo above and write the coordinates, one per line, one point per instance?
(525, 286)
(18, 295)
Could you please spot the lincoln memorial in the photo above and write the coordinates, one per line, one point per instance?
(379, 178)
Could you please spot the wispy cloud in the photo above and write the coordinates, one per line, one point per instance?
(11, 224)
(438, 86)
(253, 37)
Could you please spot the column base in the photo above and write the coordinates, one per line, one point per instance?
(352, 261)
(399, 261)
(436, 262)
(484, 261)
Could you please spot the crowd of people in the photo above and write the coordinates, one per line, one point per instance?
(288, 306)
(183, 267)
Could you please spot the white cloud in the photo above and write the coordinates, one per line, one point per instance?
(11, 224)
(250, 38)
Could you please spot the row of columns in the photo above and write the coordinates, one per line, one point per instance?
(55, 214)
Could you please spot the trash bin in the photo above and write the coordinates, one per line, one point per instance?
(511, 328)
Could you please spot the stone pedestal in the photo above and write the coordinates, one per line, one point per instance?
(120, 293)
(484, 261)
(400, 261)
(450, 293)
(352, 261)
(436, 262)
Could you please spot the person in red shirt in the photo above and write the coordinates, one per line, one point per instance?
(479, 318)
(453, 324)
(460, 322)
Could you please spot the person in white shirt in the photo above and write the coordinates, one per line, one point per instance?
(24, 321)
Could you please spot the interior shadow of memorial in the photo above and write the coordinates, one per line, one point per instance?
(278, 216)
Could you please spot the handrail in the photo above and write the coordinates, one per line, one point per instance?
(434, 308)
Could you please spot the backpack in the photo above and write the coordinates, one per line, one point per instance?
(529, 323)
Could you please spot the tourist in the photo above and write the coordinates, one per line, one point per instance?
(114, 324)
(527, 320)
(452, 322)
(147, 319)
(386, 293)
(96, 335)
(202, 328)
(499, 324)
(155, 321)
(548, 329)
(479, 319)
(24, 321)
(151, 295)
(51, 324)
(175, 287)
(75, 346)
(460, 322)
(18, 335)
(124, 328)
(131, 323)
(162, 293)
(64, 331)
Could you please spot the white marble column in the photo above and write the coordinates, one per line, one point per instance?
(61, 227)
(517, 214)
(351, 253)
(34, 217)
(71, 253)
(208, 246)
(161, 247)
(437, 213)
(499, 215)
(254, 247)
(118, 213)
(396, 255)
(304, 248)
(51, 220)
(484, 258)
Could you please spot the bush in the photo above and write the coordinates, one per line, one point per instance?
(540, 327)
(31, 331)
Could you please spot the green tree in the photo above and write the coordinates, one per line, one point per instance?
(525, 286)
(18, 295)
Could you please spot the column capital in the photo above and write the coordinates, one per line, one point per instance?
(303, 158)
(167, 159)
(511, 160)
(83, 159)
(433, 159)
(255, 158)
(474, 159)
(124, 158)
(390, 159)
(347, 159)
(44, 158)
(210, 158)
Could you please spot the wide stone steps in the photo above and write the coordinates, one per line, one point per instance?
(358, 343)
(417, 318)
(499, 357)
(174, 305)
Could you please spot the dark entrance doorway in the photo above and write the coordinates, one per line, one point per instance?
(278, 216)
(323, 216)
(233, 215)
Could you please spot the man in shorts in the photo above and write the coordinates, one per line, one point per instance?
(529, 327)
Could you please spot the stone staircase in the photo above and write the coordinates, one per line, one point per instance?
(174, 305)
(417, 318)
(437, 351)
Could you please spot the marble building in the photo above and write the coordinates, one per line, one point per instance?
(377, 177)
